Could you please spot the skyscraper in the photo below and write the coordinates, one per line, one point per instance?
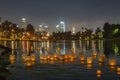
(61, 26)
(24, 25)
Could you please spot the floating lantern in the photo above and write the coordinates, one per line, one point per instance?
(33, 57)
(89, 60)
(12, 61)
(94, 55)
(12, 57)
(101, 58)
(118, 70)
(24, 57)
(66, 56)
(48, 57)
(82, 58)
(112, 62)
(42, 57)
(55, 55)
(98, 73)
(52, 58)
(61, 57)
(28, 63)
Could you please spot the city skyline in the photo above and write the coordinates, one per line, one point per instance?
(75, 13)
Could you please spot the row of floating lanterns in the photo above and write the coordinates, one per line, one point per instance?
(29, 60)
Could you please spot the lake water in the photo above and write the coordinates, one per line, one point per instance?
(47, 70)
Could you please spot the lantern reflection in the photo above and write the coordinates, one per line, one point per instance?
(89, 66)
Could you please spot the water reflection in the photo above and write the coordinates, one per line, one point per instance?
(108, 47)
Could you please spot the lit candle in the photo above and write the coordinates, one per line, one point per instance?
(98, 73)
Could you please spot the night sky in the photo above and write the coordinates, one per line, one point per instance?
(75, 13)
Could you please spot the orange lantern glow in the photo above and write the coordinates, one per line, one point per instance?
(112, 62)
(12, 57)
(89, 60)
(52, 58)
(82, 58)
(33, 57)
(66, 56)
(98, 73)
(118, 70)
(89, 66)
(61, 57)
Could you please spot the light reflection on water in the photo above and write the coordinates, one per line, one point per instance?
(86, 46)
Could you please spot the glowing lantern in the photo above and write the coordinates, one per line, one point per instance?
(82, 58)
(66, 56)
(98, 73)
(24, 57)
(33, 58)
(42, 57)
(28, 63)
(94, 53)
(52, 58)
(61, 57)
(55, 55)
(12, 57)
(112, 62)
(118, 70)
(48, 57)
(101, 58)
(89, 60)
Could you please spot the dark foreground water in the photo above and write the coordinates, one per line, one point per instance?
(63, 70)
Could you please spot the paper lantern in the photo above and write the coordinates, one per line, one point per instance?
(12, 57)
(82, 58)
(89, 60)
(98, 73)
(112, 62)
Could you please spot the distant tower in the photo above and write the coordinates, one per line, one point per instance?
(24, 23)
(73, 30)
(61, 26)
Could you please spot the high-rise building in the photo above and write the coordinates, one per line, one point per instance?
(24, 25)
(73, 30)
(61, 26)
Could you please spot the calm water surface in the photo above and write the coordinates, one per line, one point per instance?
(71, 71)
